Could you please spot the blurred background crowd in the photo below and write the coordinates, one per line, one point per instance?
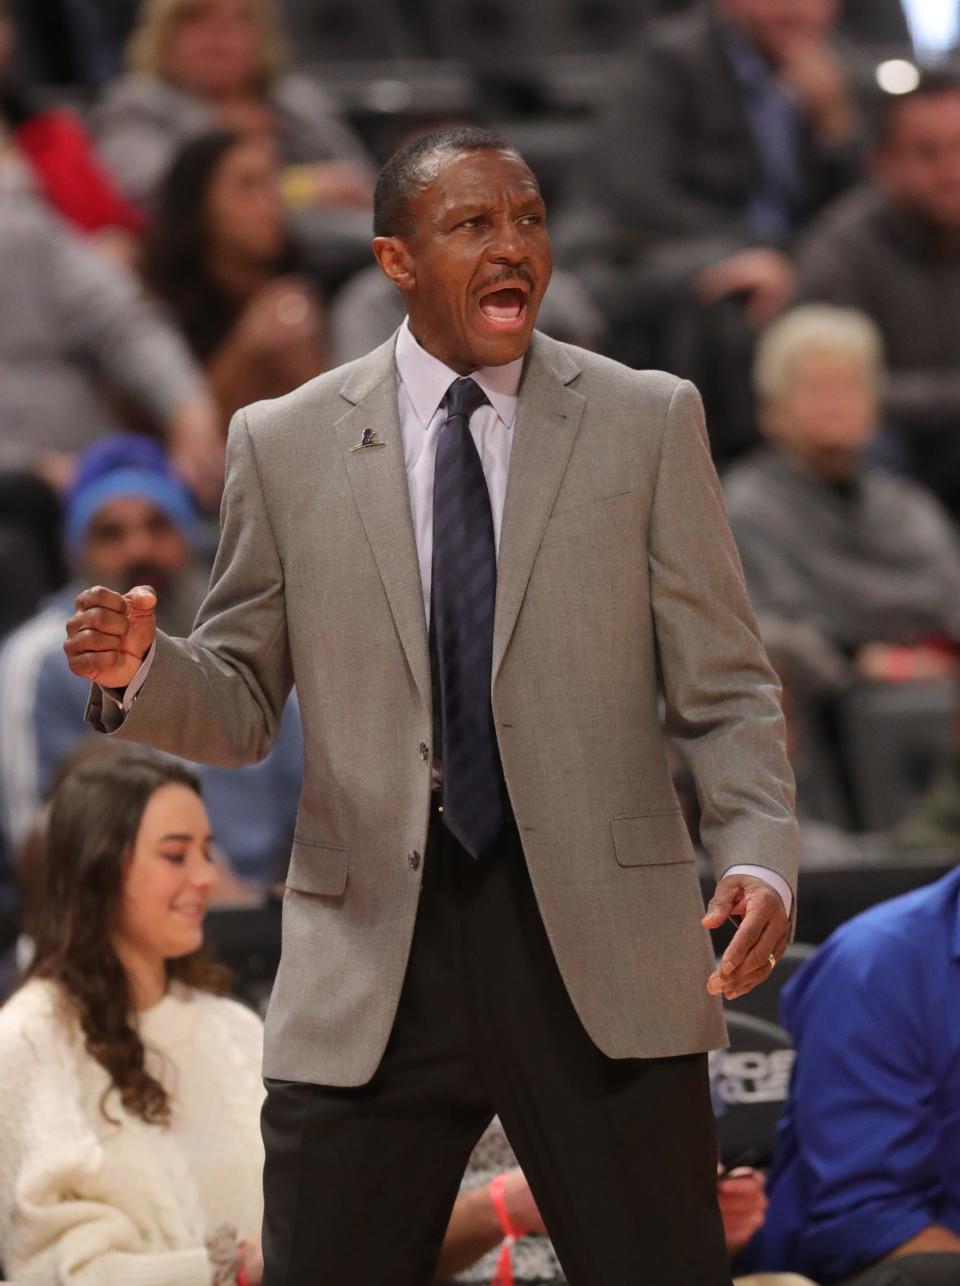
(760, 195)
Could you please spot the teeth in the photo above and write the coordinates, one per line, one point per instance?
(503, 305)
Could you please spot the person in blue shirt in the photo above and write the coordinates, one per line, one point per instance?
(865, 1183)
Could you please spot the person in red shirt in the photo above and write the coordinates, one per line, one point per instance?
(58, 151)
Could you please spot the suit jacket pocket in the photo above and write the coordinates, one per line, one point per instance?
(652, 839)
(318, 869)
(595, 520)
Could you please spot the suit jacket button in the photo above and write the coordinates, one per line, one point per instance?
(413, 860)
(424, 751)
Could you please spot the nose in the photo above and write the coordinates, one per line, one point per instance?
(138, 546)
(508, 245)
(204, 875)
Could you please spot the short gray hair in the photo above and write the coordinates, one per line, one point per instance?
(815, 328)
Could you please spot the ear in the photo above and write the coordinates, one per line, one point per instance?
(395, 260)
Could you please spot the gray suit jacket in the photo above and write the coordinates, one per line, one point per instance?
(616, 568)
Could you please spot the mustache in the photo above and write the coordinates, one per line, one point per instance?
(143, 573)
(510, 275)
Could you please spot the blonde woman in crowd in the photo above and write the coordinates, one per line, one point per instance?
(828, 536)
(197, 65)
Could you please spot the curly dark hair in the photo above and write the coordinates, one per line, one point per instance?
(93, 820)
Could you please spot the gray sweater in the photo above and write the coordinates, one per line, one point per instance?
(878, 565)
(143, 122)
(72, 322)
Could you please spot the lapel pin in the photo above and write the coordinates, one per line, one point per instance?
(368, 438)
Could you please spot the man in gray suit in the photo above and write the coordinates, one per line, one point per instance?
(478, 552)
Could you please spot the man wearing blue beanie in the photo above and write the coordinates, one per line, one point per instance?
(126, 509)
(128, 514)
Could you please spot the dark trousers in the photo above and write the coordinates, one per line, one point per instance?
(620, 1154)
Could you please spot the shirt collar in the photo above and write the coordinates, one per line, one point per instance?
(426, 380)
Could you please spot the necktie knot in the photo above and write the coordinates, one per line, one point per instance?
(464, 396)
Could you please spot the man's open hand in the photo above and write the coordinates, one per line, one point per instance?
(763, 932)
(109, 634)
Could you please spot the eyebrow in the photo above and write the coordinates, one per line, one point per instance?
(183, 838)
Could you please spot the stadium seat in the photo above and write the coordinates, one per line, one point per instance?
(749, 1084)
(503, 32)
(247, 941)
(349, 30)
(895, 737)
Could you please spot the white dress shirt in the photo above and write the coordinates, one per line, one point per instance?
(422, 384)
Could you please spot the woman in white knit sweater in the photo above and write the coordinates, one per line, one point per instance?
(130, 1090)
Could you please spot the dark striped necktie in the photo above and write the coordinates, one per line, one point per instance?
(464, 586)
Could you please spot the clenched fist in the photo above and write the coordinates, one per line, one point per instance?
(109, 634)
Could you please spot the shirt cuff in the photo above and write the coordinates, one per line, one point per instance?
(775, 881)
(123, 698)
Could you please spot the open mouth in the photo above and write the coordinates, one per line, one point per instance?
(505, 308)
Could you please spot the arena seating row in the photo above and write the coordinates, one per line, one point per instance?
(480, 31)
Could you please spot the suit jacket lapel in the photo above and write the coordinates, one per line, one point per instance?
(378, 477)
(548, 419)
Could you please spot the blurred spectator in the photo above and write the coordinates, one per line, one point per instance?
(733, 122)
(130, 521)
(56, 150)
(854, 571)
(866, 1176)
(198, 65)
(73, 321)
(369, 309)
(893, 250)
(220, 256)
(827, 537)
(31, 555)
(129, 1147)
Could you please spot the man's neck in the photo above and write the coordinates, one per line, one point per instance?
(432, 346)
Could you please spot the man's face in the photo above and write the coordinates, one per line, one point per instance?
(132, 542)
(476, 265)
(777, 26)
(919, 164)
